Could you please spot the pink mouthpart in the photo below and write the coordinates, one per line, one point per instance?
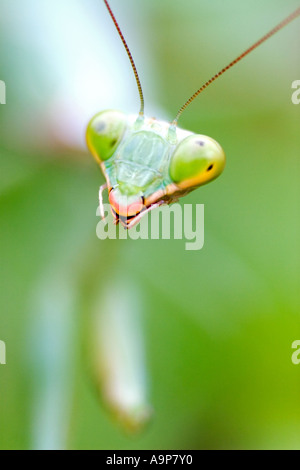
(126, 210)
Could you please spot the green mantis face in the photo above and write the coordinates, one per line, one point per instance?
(147, 163)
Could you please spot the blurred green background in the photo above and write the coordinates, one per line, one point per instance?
(218, 324)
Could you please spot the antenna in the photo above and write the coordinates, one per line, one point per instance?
(234, 62)
(138, 82)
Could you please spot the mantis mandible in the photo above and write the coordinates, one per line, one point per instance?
(148, 162)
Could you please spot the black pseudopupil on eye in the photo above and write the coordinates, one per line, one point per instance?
(210, 168)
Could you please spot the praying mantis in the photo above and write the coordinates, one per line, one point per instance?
(148, 162)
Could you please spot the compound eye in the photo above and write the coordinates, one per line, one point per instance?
(196, 160)
(104, 133)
